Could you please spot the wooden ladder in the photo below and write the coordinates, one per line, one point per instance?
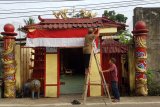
(87, 78)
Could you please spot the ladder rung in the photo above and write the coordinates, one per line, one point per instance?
(95, 84)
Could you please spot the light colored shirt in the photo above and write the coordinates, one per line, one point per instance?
(88, 43)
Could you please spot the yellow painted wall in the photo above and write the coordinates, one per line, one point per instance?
(95, 90)
(108, 30)
(18, 73)
(131, 62)
(25, 63)
(22, 57)
(51, 75)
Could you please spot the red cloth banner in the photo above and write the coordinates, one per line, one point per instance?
(61, 33)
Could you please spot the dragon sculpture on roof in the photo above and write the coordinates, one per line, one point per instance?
(62, 14)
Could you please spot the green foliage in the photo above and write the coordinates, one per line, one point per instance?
(125, 36)
(121, 18)
(116, 17)
(153, 86)
(27, 22)
(149, 74)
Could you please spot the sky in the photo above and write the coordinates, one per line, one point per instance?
(14, 12)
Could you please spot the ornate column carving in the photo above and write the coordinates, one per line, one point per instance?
(9, 61)
(140, 35)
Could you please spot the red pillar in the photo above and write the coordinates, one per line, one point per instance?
(140, 35)
(9, 61)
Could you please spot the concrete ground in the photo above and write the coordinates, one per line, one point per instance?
(65, 101)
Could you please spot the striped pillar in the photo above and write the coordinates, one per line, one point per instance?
(140, 35)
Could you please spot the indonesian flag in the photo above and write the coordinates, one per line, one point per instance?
(56, 38)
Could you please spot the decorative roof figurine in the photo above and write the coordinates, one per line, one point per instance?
(87, 14)
(62, 14)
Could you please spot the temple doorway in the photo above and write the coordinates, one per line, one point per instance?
(72, 71)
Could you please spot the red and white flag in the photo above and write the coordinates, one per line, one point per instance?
(56, 38)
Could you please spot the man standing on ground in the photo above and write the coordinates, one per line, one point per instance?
(114, 79)
(88, 45)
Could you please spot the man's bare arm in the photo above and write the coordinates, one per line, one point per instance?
(96, 32)
(108, 70)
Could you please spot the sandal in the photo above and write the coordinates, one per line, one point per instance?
(74, 102)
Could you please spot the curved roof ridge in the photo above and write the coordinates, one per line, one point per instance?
(74, 23)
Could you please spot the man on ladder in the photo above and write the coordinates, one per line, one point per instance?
(87, 49)
(88, 52)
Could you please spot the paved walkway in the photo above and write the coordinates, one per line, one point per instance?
(66, 100)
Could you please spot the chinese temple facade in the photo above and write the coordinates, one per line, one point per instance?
(53, 54)
(60, 43)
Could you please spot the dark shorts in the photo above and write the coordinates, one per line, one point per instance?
(86, 60)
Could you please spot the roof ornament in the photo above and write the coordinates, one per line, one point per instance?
(62, 14)
(40, 18)
(87, 13)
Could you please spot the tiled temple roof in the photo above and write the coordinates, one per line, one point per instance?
(112, 46)
(75, 23)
